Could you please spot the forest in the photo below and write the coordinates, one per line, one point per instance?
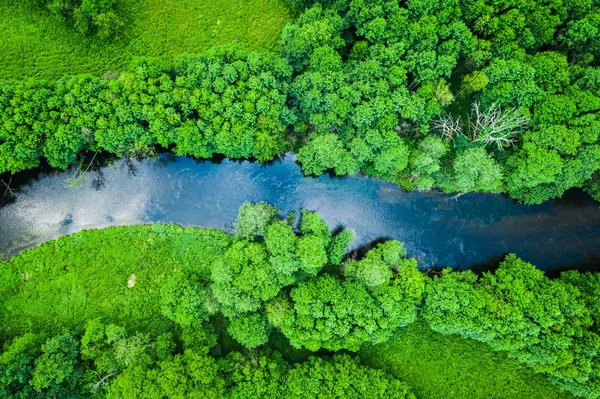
(280, 309)
(458, 95)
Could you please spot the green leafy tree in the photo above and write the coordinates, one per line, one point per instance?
(342, 377)
(253, 219)
(250, 330)
(183, 300)
(475, 170)
(57, 370)
(243, 279)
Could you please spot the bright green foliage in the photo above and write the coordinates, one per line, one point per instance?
(425, 163)
(243, 279)
(326, 153)
(356, 87)
(315, 28)
(126, 313)
(378, 266)
(253, 219)
(90, 17)
(340, 243)
(21, 142)
(474, 82)
(226, 101)
(250, 330)
(329, 313)
(475, 170)
(464, 368)
(183, 301)
(111, 274)
(281, 242)
(312, 254)
(312, 224)
(342, 377)
(255, 376)
(180, 376)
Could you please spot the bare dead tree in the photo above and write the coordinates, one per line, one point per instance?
(448, 126)
(496, 126)
(102, 380)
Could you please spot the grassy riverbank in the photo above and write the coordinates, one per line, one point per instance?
(37, 44)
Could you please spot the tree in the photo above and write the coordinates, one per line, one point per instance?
(243, 279)
(425, 163)
(341, 377)
(326, 312)
(251, 375)
(17, 366)
(253, 219)
(57, 370)
(183, 300)
(476, 170)
(378, 266)
(250, 330)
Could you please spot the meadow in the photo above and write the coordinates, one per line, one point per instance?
(37, 44)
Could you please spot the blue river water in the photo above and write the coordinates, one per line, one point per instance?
(473, 230)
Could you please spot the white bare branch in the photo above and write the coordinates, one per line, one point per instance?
(448, 126)
(496, 126)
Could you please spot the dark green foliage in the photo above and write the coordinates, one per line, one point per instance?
(543, 323)
(56, 372)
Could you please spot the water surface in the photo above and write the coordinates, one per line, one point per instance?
(440, 231)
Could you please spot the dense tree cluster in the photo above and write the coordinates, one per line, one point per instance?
(227, 101)
(106, 361)
(461, 95)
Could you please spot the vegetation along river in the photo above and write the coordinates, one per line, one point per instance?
(470, 231)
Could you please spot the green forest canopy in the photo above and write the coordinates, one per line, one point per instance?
(163, 310)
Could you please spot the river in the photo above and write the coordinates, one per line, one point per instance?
(474, 230)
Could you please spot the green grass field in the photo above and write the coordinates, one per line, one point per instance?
(450, 367)
(37, 44)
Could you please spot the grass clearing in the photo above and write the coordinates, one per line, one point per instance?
(115, 273)
(37, 44)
